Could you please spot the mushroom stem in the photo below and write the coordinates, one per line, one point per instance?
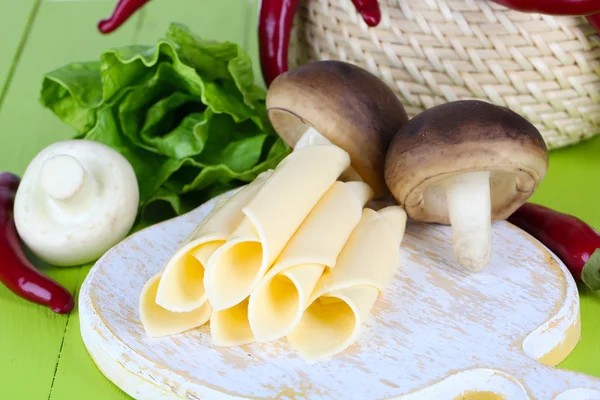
(469, 209)
(65, 180)
(312, 137)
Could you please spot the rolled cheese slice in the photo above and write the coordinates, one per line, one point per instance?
(345, 295)
(276, 305)
(271, 219)
(158, 321)
(230, 327)
(181, 287)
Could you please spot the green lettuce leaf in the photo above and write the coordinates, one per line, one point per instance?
(185, 113)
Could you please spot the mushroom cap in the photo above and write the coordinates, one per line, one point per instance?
(81, 229)
(459, 137)
(348, 105)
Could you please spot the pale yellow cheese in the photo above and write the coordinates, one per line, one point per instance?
(276, 305)
(371, 254)
(181, 287)
(345, 295)
(332, 323)
(230, 327)
(158, 321)
(272, 218)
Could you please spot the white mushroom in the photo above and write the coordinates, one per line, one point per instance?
(77, 199)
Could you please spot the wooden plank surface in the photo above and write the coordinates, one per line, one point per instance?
(32, 349)
(28, 127)
(33, 336)
(31, 340)
(76, 373)
(16, 17)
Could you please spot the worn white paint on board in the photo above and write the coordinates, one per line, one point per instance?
(435, 333)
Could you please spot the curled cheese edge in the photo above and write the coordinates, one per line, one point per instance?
(158, 321)
(181, 287)
(271, 219)
(345, 295)
(277, 304)
(230, 327)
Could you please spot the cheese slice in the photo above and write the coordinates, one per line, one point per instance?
(271, 219)
(276, 305)
(332, 322)
(311, 137)
(230, 327)
(345, 295)
(181, 287)
(158, 322)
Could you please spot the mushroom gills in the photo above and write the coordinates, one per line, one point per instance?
(469, 210)
(312, 137)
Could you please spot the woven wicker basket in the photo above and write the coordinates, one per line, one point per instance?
(433, 51)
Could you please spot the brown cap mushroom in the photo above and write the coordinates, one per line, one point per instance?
(466, 163)
(342, 104)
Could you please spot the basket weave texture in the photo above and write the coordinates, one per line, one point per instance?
(433, 51)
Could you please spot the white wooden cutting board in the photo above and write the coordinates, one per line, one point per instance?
(435, 333)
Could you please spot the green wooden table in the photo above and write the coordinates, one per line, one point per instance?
(41, 354)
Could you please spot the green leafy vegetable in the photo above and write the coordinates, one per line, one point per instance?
(185, 113)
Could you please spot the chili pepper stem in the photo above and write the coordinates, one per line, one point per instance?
(590, 275)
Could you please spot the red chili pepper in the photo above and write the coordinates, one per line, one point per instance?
(275, 27)
(553, 7)
(369, 10)
(124, 10)
(588, 8)
(573, 241)
(594, 19)
(274, 30)
(16, 271)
